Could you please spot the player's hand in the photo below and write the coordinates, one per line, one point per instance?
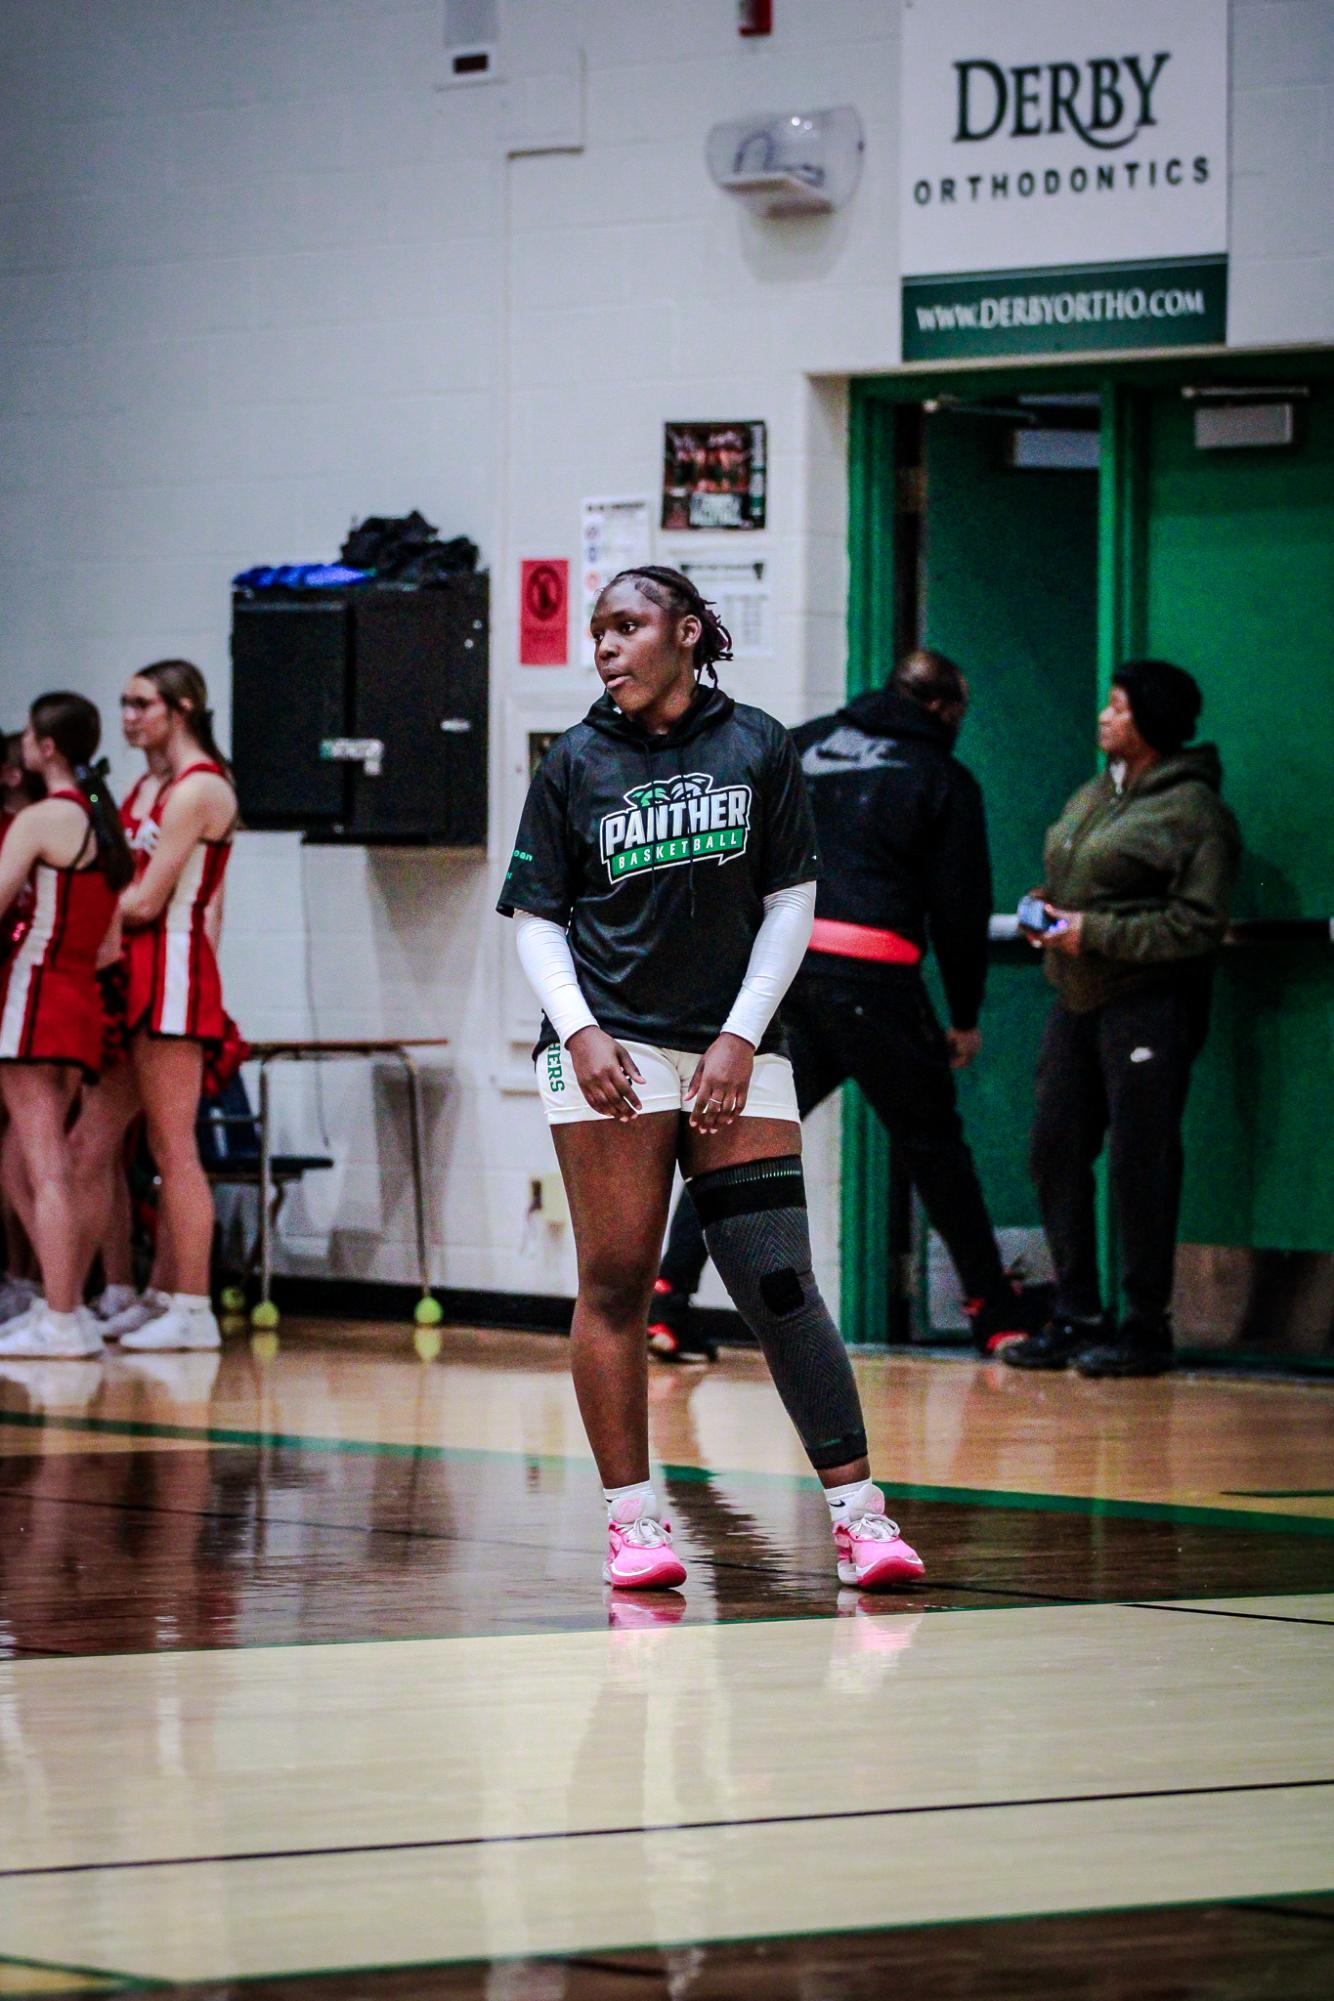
(721, 1083)
(1066, 934)
(965, 1045)
(607, 1073)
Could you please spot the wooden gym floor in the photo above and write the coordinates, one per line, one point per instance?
(309, 1687)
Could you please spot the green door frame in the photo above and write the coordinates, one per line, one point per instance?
(864, 1164)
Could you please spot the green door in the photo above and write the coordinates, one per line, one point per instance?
(1038, 584)
(1010, 591)
(1236, 561)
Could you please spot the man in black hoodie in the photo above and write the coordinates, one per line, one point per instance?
(903, 835)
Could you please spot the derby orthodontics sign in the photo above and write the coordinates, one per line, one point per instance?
(1063, 176)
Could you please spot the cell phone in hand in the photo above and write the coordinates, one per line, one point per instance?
(1034, 916)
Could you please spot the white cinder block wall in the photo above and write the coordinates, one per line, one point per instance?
(259, 276)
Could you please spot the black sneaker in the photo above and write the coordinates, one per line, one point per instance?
(672, 1335)
(1138, 1348)
(1055, 1345)
(996, 1323)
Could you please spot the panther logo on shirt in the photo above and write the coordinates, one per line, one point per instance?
(144, 839)
(675, 820)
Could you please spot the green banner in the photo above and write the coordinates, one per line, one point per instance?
(1169, 302)
(661, 854)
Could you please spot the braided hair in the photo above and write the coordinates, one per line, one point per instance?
(184, 689)
(74, 726)
(672, 591)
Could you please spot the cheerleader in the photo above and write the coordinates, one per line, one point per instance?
(111, 1107)
(18, 788)
(172, 916)
(69, 853)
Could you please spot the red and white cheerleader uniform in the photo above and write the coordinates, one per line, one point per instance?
(16, 919)
(174, 984)
(50, 1008)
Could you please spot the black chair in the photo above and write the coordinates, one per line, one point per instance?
(228, 1135)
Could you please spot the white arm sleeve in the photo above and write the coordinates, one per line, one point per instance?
(779, 948)
(548, 964)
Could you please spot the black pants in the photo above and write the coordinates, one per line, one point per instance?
(883, 1034)
(1124, 1068)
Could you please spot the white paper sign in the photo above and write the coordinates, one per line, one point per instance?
(738, 587)
(616, 534)
(1044, 139)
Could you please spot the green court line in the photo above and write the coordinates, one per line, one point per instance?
(1185, 1514)
(120, 1983)
(583, 1954)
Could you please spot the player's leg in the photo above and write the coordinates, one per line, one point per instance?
(817, 1070)
(102, 1197)
(18, 1288)
(168, 1072)
(38, 1097)
(747, 1184)
(618, 1180)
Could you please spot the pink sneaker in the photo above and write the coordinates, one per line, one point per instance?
(871, 1552)
(640, 1556)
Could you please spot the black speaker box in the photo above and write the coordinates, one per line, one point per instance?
(361, 716)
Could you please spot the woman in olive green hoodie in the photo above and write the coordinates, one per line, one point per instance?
(1139, 871)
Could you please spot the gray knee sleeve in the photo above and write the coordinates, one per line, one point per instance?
(754, 1218)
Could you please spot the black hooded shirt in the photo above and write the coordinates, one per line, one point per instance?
(904, 835)
(656, 853)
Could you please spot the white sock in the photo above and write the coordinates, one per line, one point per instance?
(64, 1323)
(115, 1298)
(192, 1302)
(641, 1490)
(847, 1504)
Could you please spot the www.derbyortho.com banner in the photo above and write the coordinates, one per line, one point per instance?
(1177, 303)
(1063, 176)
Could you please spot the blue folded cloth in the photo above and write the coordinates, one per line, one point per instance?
(299, 577)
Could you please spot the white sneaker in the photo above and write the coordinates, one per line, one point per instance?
(175, 1327)
(16, 1296)
(37, 1335)
(128, 1319)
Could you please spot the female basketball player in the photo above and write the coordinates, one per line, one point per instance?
(171, 916)
(71, 850)
(663, 883)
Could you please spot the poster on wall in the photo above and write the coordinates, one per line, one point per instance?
(1062, 176)
(544, 612)
(738, 588)
(713, 476)
(615, 534)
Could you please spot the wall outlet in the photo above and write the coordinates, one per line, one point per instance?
(546, 1198)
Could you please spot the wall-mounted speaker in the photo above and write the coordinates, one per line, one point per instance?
(361, 716)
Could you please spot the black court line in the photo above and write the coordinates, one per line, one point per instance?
(1284, 1910)
(655, 1827)
(1216, 1612)
(1280, 1493)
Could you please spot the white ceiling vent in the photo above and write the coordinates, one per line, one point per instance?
(472, 42)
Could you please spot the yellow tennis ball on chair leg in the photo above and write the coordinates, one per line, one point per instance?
(265, 1314)
(428, 1312)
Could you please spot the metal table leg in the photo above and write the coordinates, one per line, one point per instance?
(263, 1314)
(428, 1310)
